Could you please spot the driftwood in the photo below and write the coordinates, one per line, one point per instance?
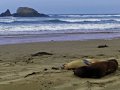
(33, 73)
(41, 54)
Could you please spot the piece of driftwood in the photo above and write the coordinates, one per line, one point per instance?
(102, 46)
(41, 54)
(33, 73)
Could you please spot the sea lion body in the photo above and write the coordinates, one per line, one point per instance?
(97, 70)
(78, 63)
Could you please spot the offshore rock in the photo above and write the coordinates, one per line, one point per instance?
(28, 12)
(6, 13)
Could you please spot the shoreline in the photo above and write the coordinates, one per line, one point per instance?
(61, 41)
(58, 37)
(22, 71)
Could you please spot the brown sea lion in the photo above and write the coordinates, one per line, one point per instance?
(97, 70)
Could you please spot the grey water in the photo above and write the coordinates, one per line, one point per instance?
(59, 28)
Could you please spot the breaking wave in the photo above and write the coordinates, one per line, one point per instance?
(61, 23)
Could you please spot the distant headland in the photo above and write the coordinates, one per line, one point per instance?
(23, 12)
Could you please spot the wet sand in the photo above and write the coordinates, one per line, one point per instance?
(37, 66)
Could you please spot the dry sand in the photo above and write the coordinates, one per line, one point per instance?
(20, 69)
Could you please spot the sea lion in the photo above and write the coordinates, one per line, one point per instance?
(97, 70)
(78, 63)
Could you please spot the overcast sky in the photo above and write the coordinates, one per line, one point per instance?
(64, 6)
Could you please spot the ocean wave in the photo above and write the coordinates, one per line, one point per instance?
(88, 15)
(84, 21)
(55, 24)
(57, 20)
(60, 20)
(58, 27)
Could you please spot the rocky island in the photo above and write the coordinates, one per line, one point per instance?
(6, 13)
(23, 12)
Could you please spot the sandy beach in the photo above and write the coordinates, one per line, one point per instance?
(26, 67)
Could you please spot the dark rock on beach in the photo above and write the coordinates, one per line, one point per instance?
(6, 13)
(28, 12)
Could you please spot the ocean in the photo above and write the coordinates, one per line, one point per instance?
(59, 27)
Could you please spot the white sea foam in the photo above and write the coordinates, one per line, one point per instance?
(88, 19)
(61, 28)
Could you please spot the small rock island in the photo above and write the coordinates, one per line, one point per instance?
(23, 12)
(6, 13)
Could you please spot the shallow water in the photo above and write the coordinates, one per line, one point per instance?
(55, 37)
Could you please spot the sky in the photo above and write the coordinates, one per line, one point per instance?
(64, 6)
